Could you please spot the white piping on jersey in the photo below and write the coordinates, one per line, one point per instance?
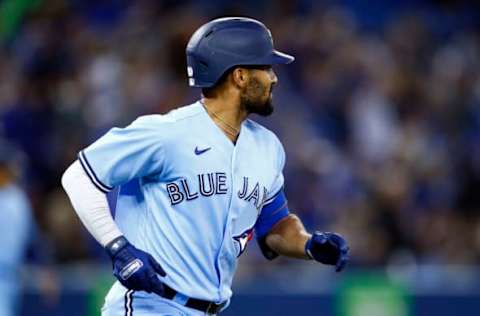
(91, 174)
(128, 303)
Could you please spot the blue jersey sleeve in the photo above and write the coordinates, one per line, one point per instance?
(271, 214)
(123, 154)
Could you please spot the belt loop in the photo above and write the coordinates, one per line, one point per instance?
(180, 298)
(211, 309)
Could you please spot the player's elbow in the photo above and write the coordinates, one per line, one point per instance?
(68, 177)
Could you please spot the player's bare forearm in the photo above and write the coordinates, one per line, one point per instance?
(288, 237)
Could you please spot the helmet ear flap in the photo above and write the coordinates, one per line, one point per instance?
(196, 68)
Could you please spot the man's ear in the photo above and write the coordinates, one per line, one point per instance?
(240, 76)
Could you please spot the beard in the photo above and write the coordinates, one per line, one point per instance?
(253, 99)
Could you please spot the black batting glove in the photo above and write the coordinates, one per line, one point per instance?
(134, 268)
(328, 248)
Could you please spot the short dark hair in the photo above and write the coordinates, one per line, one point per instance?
(211, 91)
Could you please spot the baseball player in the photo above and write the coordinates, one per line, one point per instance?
(16, 225)
(196, 184)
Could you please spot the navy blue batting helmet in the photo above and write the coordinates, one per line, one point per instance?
(227, 42)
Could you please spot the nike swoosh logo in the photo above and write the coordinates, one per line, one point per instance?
(201, 151)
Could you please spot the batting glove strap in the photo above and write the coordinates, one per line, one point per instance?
(116, 245)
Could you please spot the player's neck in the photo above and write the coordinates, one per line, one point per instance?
(227, 114)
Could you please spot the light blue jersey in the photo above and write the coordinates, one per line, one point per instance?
(188, 195)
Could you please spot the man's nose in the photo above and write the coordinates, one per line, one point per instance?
(273, 77)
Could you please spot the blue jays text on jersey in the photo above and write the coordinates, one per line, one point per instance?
(188, 195)
(212, 184)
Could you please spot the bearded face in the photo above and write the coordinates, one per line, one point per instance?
(256, 97)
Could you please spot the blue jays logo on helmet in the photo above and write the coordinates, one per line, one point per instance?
(227, 42)
(243, 239)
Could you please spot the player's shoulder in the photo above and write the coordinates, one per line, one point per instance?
(262, 132)
(173, 117)
(267, 140)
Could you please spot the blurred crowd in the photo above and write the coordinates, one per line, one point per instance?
(380, 118)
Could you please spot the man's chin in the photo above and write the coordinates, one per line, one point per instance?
(265, 110)
(262, 109)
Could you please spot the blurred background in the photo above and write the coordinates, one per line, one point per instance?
(379, 116)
